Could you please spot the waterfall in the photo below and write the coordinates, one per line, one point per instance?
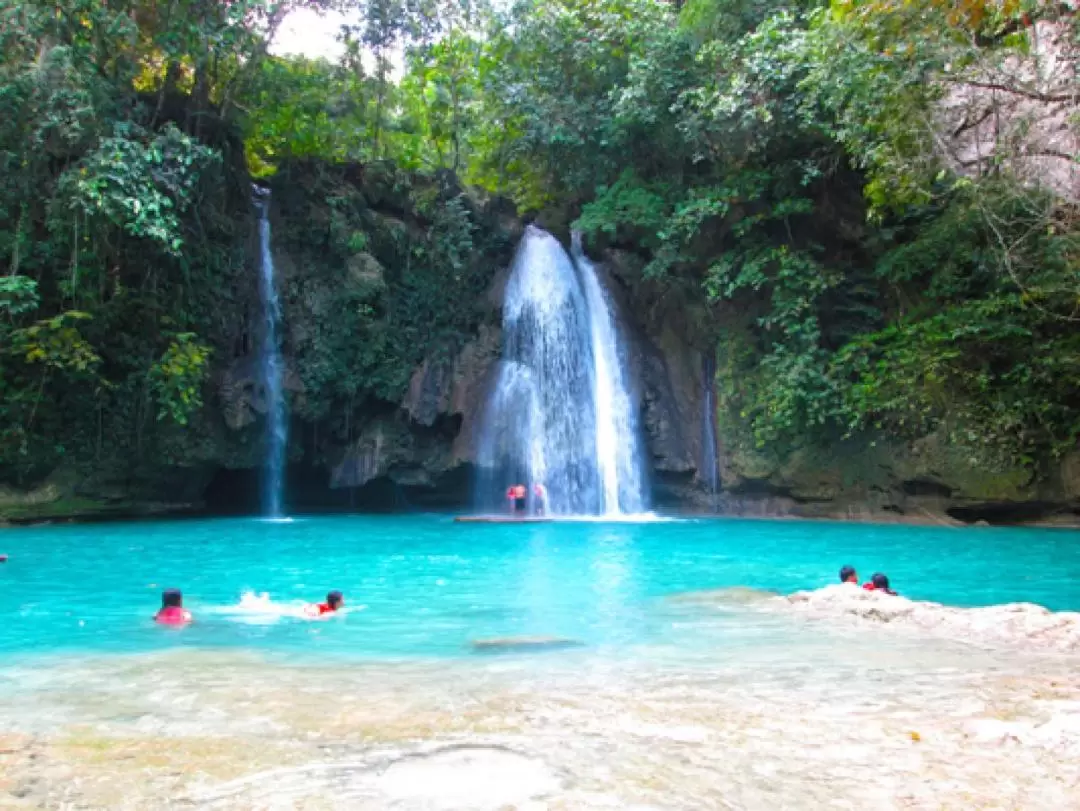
(559, 412)
(710, 465)
(271, 366)
(617, 454)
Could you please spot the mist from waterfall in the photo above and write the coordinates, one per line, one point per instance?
(271, 367)
(560, 411)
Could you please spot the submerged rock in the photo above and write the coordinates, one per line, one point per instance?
(735, 595)
(509, 644)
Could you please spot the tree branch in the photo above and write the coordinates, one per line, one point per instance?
(1015, 91)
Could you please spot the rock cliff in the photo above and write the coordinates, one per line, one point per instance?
(392, 288)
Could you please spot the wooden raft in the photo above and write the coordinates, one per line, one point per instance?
(502, 519)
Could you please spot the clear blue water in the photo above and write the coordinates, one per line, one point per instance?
(425, 586)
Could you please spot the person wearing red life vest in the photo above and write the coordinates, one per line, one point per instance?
(334, 601)
(172, 609)
(517, 496)
(879, 582)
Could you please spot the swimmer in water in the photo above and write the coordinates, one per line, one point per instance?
(334, 601)
(172, 609)
(848, 575)
(879, 582)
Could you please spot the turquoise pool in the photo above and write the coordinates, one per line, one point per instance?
(423, 586)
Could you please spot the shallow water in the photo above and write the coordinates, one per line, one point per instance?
(668, 703)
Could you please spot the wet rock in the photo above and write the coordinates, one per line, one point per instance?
(513, 644)
(364, 273)
(1070, 474)
(1012, 624)
(369, 457)
(736, 595)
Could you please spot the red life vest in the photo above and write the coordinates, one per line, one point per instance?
(317, 609)
(173, 615)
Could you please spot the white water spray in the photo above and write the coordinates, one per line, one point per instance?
(560, 412)
(271, 367)
(617, 454)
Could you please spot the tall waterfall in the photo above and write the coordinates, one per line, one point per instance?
(618, 456)
(271, 367)
(560, 412)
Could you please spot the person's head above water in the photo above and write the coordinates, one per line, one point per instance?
(848, 575)
(172, 609)
(881, 582)
(334, 600)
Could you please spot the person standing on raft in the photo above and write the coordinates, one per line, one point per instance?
(172, 609)
(517, 496)
(539, 499)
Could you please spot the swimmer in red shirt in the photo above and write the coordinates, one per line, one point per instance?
(879, 582)
(172, 609)
(334, 601)
(848, 575)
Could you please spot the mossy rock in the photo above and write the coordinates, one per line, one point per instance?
(387, 187)
(970, 471)
(364, 274)
(391, 239)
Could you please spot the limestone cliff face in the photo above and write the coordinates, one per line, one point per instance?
(422, 443)
(419, 447)
(392, 290)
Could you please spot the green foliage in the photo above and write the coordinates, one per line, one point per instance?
(382, 294)
(177, 378)
(55, 343)
(627, 204)
(787, 170)
(18, 295)
(136, 182)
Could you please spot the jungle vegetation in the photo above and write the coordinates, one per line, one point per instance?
(873, 202)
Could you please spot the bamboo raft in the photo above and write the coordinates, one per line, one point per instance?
(502, 519)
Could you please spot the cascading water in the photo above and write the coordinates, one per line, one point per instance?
(560, 413)
(271, 366)
(710, 465)
(617, 455)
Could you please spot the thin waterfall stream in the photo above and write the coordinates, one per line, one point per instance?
(561, 412)
(710, 464)
(271, 367)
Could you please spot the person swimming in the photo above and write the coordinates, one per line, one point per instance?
(334, 601)
(879, 582)
(848, 575)
(172, 609)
